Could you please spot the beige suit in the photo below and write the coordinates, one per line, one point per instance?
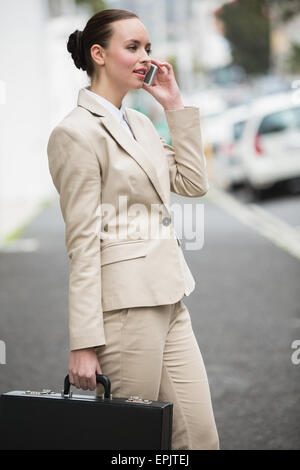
(125, 292)
(94, 163)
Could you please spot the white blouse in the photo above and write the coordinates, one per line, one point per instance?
(119, 114)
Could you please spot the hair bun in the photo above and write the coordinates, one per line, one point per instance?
(75, 47)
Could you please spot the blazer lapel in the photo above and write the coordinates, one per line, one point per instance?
(138, 148)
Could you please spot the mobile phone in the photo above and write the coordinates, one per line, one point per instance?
(150, 75)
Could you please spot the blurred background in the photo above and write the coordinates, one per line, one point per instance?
(239, 62)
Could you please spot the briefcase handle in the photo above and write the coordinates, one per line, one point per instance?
(100, 378)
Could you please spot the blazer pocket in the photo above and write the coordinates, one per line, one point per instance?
(120, 251)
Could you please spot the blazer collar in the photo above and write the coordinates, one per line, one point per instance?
(139, 149)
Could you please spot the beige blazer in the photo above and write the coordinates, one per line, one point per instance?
(111, 187)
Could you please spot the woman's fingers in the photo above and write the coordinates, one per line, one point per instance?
(82, 367)
(76, 381)
(84, 383)
(161, 64)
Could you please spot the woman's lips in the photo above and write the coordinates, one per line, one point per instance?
(142, 75)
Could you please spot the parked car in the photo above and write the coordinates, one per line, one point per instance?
(228, 166)
(270, 144)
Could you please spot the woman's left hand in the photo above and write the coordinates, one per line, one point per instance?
(164, 87)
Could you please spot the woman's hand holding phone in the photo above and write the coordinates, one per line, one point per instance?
(164, 87)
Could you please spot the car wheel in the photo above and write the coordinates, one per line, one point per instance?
(254, 194)
(293, 185)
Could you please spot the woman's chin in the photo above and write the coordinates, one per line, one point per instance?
(136, 87)
(139, 83)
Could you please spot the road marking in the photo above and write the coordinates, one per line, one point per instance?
(279, 232)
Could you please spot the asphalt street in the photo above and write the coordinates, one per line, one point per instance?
(245, 312)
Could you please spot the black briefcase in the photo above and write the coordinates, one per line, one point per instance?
(50, 420)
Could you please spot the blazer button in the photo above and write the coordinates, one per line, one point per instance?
(166, 221)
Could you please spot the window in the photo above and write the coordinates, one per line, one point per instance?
(238, 128)
(280, 121)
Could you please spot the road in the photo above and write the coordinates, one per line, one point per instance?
(245, 312)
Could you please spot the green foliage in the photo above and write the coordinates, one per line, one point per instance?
(95, 5)
(285, 9)
(247, 29)
(172, 59)
(293, 60)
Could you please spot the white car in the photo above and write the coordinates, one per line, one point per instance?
(230, 127)
(270, 144)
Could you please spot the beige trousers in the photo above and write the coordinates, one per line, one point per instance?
(152, 352)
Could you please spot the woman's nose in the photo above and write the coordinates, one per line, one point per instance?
(146, 59)
(147, 62)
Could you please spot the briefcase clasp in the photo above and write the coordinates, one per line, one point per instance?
(138, 399)
(69, 395)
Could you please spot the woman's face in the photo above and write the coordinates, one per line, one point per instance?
(128, 50)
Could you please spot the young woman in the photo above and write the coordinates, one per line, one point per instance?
(114, 174)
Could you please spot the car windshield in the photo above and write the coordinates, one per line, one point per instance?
(238, 128)
(280, 121)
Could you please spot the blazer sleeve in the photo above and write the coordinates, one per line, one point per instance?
(186, 158)
(76, 174)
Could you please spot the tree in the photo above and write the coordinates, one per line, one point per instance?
(247, 28)
(95, 5)
(285, 10)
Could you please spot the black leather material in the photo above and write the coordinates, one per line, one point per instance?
(53, 421)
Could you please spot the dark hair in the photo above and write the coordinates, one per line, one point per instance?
(98, 30)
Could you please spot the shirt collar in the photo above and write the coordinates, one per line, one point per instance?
(118, 113)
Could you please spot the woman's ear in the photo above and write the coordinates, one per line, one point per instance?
(98, 54)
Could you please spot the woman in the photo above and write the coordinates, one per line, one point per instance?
(114, 175)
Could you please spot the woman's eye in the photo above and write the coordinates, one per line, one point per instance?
(134, 48)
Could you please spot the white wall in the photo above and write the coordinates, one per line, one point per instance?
(40, 85)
